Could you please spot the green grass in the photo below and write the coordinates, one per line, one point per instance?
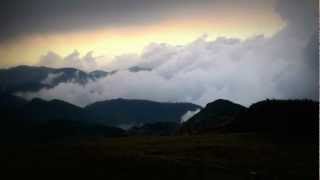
(232, 156)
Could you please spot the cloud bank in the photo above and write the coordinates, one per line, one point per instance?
(283, 66)
(74, 60)
(51, 78)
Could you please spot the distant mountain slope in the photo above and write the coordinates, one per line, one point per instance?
(215, 115)
(40, 110)
(29, 78)
(32, 78)
(119, 112)
(56, 119)
(115, 112)
(37, 110)
(44, 121)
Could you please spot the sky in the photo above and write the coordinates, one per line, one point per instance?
(109, 28)
(199, 51)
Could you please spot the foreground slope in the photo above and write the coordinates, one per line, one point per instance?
(155, 129)
(222, 157)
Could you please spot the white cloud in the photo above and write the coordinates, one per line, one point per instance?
(87, 62)
(51, 78)
(188, 115)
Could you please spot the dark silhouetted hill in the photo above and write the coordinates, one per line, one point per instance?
(119, 112)
(213, 117)
(46, 121)
(41, 110)
(285, 117)
(281, 118)
(55, 118)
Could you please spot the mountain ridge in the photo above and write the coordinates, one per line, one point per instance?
(114, 112)
(138, 111)
(33, 78)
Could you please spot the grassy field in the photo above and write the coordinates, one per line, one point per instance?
(232, 156)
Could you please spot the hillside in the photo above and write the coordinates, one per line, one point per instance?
(124, 112)
(27, 120)
(214, 116)
(285, 117)
(46, 121)
(282, 118)
(115, 112)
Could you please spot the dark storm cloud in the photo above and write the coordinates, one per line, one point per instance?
(45, 16)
